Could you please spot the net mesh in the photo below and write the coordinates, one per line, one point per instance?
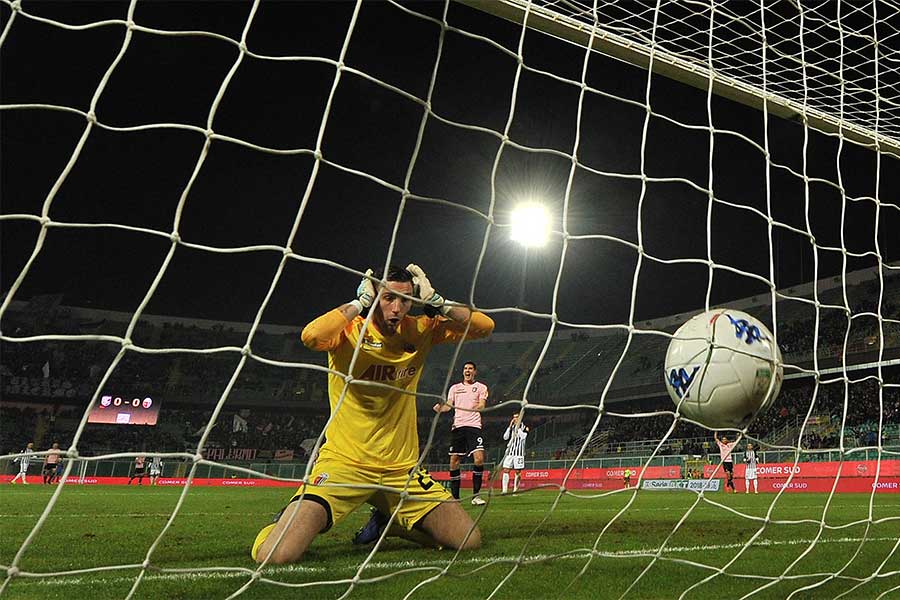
(831, 64)
(830, 75)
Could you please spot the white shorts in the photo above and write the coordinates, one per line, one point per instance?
(750, 473)
(154, 473)
(514, 462)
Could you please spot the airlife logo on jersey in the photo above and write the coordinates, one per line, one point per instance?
(388, 373)
(681, 380)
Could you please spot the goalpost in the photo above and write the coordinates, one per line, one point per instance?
(829, 66)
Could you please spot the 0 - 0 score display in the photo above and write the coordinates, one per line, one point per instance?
(125, 410)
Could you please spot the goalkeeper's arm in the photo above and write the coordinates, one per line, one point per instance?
(480, 325)
(324, 333)
(423, 289)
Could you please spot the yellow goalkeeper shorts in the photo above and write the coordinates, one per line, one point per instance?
(424, 493)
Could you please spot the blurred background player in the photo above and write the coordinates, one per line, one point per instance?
(750, 471)
(626, 477)
(514, 458)
(50, 462)
(156, 466)
(139, 470)
(60, 467)
(372, 438)
(466, 398)
(725, 448)
(24, 459)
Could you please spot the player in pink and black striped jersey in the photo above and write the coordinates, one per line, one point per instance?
(467, 398)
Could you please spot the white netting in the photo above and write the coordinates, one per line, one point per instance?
(830, 64)
(829, 77)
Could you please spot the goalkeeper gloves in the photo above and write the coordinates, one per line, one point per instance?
(424, 291)
(365, 293)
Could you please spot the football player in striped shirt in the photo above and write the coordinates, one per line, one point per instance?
(156, 466)
(750, 472)
(372, 437)
(24, 458)
(466, 399)
(514, 458)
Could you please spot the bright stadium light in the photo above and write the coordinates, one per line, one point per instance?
(530, 225)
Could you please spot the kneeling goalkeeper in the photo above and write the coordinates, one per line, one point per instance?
(372, 437)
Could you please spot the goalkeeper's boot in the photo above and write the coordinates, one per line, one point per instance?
(478, 501)
(371, 531)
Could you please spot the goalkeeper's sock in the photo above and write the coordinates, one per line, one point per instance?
(505, 482)
(260, 538)
(454, 483)
(477, 472)
(516, 484)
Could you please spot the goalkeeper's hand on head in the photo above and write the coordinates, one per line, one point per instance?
(424, 291)
(365, 293)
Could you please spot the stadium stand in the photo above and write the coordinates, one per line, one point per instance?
(46, 387)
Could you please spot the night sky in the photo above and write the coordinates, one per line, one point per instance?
(246, 197)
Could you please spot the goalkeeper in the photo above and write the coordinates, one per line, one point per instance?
(372, 437)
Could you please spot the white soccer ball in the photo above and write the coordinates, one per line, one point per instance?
(720, 366)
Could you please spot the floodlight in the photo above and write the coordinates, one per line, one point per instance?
(530, 225)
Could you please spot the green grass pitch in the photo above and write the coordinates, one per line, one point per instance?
(540, 554)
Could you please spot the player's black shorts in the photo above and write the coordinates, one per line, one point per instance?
(728, 466)
(465, 440)
(50, 468)
(138, 471)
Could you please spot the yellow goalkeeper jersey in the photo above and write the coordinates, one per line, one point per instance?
(375, 425)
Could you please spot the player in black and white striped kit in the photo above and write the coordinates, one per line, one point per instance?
(24, 459)
(515, 452)
(156, 466)
(750, 472)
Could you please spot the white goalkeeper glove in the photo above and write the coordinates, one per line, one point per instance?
(365, 293)
(423, 290)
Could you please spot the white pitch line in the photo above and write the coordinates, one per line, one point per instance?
(36, 579)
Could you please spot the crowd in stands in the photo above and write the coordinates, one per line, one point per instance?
(795, 406)
(47, 384)
(177, 430)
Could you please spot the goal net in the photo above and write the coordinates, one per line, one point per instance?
(248, 162)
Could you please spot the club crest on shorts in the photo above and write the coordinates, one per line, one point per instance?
(320, 479)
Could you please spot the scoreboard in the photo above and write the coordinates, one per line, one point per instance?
(125, 410)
